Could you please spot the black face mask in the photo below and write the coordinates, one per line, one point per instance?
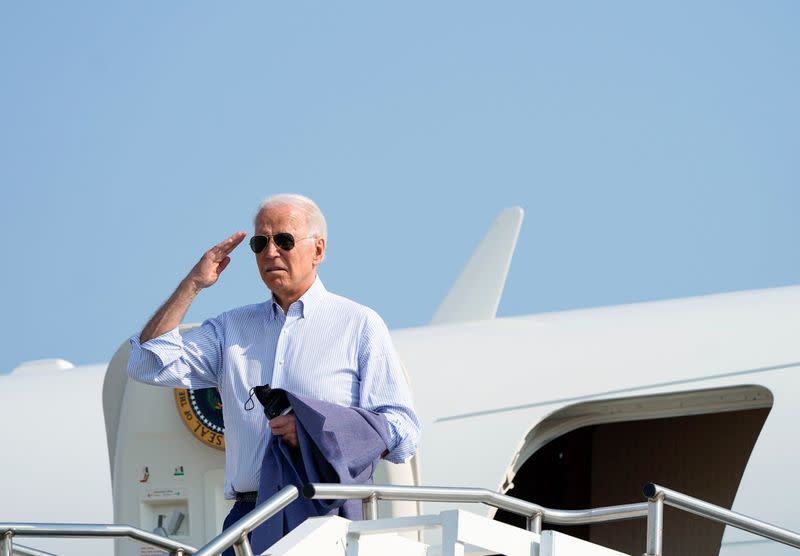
(274, 400)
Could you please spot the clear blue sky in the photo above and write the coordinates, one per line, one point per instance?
(655, 148)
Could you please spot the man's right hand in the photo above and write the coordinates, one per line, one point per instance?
(208, 269)
(205, 273)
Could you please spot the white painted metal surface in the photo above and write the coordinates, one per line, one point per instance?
(559, 544)
(462, 533)
(335, 536)
(53, 459)
(476, 293)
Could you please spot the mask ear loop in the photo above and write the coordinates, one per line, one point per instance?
(250, 400)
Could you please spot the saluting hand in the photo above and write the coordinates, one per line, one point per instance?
(208, 269)
(204, 274)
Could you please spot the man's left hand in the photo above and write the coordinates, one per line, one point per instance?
(285, 426)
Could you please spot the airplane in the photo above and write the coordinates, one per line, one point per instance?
(573, 409)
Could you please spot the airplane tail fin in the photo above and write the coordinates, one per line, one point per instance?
(476, 293)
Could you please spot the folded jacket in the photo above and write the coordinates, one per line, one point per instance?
(336, 445)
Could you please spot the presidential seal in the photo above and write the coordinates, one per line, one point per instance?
(201, 412)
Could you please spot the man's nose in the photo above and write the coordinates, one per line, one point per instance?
(271, 249)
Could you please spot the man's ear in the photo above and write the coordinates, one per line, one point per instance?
(319, 250)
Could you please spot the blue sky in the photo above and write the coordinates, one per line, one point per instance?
(654, 148)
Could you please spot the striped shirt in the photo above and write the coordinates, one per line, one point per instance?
(325, 347)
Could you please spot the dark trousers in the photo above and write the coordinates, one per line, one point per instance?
(238, 511)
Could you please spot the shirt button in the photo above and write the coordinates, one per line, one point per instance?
(280, 362)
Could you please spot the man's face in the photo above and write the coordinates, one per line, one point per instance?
(288, 273)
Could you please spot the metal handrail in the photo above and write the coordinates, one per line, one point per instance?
(534, 513)
(236, 534)
(87, 530)
(658, 495)
(22, 550)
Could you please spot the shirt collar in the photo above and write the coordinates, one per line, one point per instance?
(307, 303)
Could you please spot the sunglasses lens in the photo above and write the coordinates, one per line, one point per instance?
(257, 243)
(284, 240)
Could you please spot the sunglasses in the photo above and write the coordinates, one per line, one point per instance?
(283, 241)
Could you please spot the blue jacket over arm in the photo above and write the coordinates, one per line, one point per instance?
(337, 444)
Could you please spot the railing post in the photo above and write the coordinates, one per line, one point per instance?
(242, 546)
(655, 524)
(370, 506)
(533, 523)
(6, 545)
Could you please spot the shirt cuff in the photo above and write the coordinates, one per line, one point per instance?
(167, 348)
(401, 447)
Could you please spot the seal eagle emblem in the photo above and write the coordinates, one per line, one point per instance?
(201, 411)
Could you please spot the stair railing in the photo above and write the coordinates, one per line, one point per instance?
(83, 530)
(658, 495)
(237, 534)
(534, 513)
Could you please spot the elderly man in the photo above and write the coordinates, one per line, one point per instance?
(304, 339)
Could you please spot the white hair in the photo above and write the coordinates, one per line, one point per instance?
(315, 220)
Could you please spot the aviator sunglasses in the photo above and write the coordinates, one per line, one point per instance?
(283, 240)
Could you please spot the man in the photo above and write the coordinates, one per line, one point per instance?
(304, 339)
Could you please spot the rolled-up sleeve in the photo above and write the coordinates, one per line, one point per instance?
(385, 389)
(191, 360)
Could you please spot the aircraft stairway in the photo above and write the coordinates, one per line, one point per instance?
(461, 533)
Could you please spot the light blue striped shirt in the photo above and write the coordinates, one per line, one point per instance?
(325, 347)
